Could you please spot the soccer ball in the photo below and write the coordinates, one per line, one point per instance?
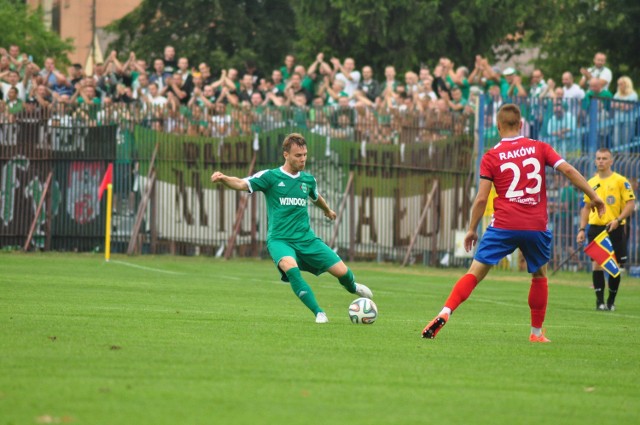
(363, 310)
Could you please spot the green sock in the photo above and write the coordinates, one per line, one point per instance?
(348, 281)
(303, 290)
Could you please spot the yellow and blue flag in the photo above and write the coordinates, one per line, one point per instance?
(601, 251)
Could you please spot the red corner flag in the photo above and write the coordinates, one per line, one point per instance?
(107, 179)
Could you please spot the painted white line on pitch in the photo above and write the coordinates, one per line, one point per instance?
(231, 277)
(151, 269)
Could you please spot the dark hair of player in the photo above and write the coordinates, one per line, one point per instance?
(291, 139)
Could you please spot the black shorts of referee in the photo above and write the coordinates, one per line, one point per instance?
(617, 237)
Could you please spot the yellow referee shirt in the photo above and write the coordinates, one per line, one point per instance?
(615, 191)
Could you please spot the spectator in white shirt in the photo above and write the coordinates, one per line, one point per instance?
(598, 70)
(571, 89)
(153, 96)
(348, 74)
(12, 79)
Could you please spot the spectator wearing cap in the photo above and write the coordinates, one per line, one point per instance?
(514, 81)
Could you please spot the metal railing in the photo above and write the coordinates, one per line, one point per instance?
(394, 159)
(576, 128)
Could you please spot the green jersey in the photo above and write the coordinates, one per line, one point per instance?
(287, 196)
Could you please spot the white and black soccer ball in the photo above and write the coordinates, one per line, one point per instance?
(363, 310)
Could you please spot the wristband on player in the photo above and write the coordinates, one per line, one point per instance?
(581, 229)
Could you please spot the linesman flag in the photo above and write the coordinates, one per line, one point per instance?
(601, 251)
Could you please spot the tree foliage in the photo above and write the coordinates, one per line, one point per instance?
(404, 33)
(570, 32)
(221, 32)
(24, 27)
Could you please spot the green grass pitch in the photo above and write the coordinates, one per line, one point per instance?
(175, 340)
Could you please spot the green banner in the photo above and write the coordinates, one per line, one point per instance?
(190, 160)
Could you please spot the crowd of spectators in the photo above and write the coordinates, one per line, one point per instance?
(329, 96)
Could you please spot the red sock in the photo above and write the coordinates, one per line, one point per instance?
(461, 291)
(538, 295)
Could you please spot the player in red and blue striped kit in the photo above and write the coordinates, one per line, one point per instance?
(516, 167)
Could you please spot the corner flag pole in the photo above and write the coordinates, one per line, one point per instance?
(107, 183)
(107, 233)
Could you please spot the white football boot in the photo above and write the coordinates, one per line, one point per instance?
(322, 317)
(364, 291)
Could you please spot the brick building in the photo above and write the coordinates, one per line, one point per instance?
(74, 19)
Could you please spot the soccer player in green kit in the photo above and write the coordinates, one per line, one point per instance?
(291, 242)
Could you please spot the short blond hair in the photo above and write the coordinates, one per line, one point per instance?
(509, 117)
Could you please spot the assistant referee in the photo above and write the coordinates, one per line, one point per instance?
(619, 200)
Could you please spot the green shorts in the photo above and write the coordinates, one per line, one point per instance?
(313, 256)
